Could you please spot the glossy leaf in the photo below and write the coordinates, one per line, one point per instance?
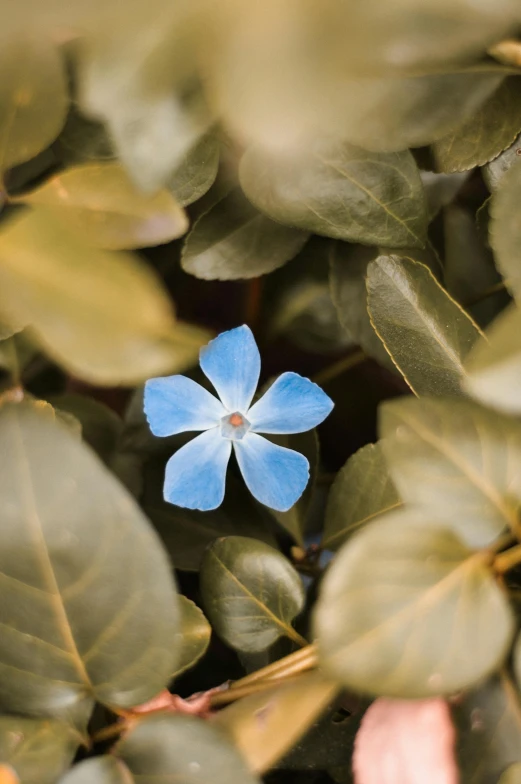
(33, 97)
(259, 725)
(108, 294)
(251, 593)
(456, 461)
(100, 202)
(197, 173)
(38, 750)
(494, 170)
(340, 191)
(426, 333)
(384, 619)
(505, 228)
(85, 545)
(234, 240)
(106, 769)
(485, 134)
(362, 491)
(181, 750)
(494, 365)
(195, 631)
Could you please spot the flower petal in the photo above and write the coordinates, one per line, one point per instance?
(292, 404)
(176, 404)
(276, 476)
(232, 363)
(195, 475)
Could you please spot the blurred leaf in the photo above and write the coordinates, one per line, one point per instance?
(233, 240)
(195, 631)
(82, 140)
(85, 545)
(197, 172)
(9, 327)
(294, 520)
(494, 365)
(469, 268)
(181, 750)
(265, 726)
(456, 461)
(342, 192)
(512, 775)
(99, 770)
(100, 202)
(33, 97)
(7, 775)
(38, 750)
(100, 426)
(441, 190)
(494, 170)
(75, 296)
(406, 740)
(505, 228)
(489, 730)
(485, 134)
(251, 593)
(385, 617)
(362, 491)
(426, 333)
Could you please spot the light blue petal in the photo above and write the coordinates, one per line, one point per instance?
(176, 404)
(292, 404)
(276, 476)
(195, 476)
(232, 363)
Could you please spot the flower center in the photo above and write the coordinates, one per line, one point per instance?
(234, 426)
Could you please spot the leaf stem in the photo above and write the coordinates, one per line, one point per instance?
(300, 661)
(337, 368)
(507, 560)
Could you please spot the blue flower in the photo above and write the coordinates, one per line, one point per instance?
(196, 473)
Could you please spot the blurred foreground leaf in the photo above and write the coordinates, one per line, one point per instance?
(195, 631)
(38, 750)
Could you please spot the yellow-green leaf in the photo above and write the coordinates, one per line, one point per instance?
(38, 750)
(195, 631)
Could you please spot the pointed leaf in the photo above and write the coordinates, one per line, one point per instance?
(181, 750)
(385, 617)
(362, 491)
(259, 725)
(234, 240)
(82, 593)
(195, 631)
(74, 296)
(38, 750)
(100, 202)
(505, 228)
(197, 173)
(99, 770)
(485, 134)
(457, 461)
(342, 192)
(33, 97)
(251, 593)
(426, 333)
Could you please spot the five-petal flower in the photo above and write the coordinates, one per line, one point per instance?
(196, 474)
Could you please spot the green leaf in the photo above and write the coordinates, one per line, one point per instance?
(287, 712)
(494, 170)
(505, 228)
(195, 631)
(456, 461)
(485, 134)
(181, 750)
(489, 730)
(197, 172)
(99, 770)
(234, 240)
(342, 192)
(38, 750)
(512, 775)
(83, 592)
(100, 202)
(385, 617)
(33, 97)
(426, 333)
(494, 365)
(362, 491)
(100, 426)
(251, 593)
(82, 140)
(75, 296)
(294, 521)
